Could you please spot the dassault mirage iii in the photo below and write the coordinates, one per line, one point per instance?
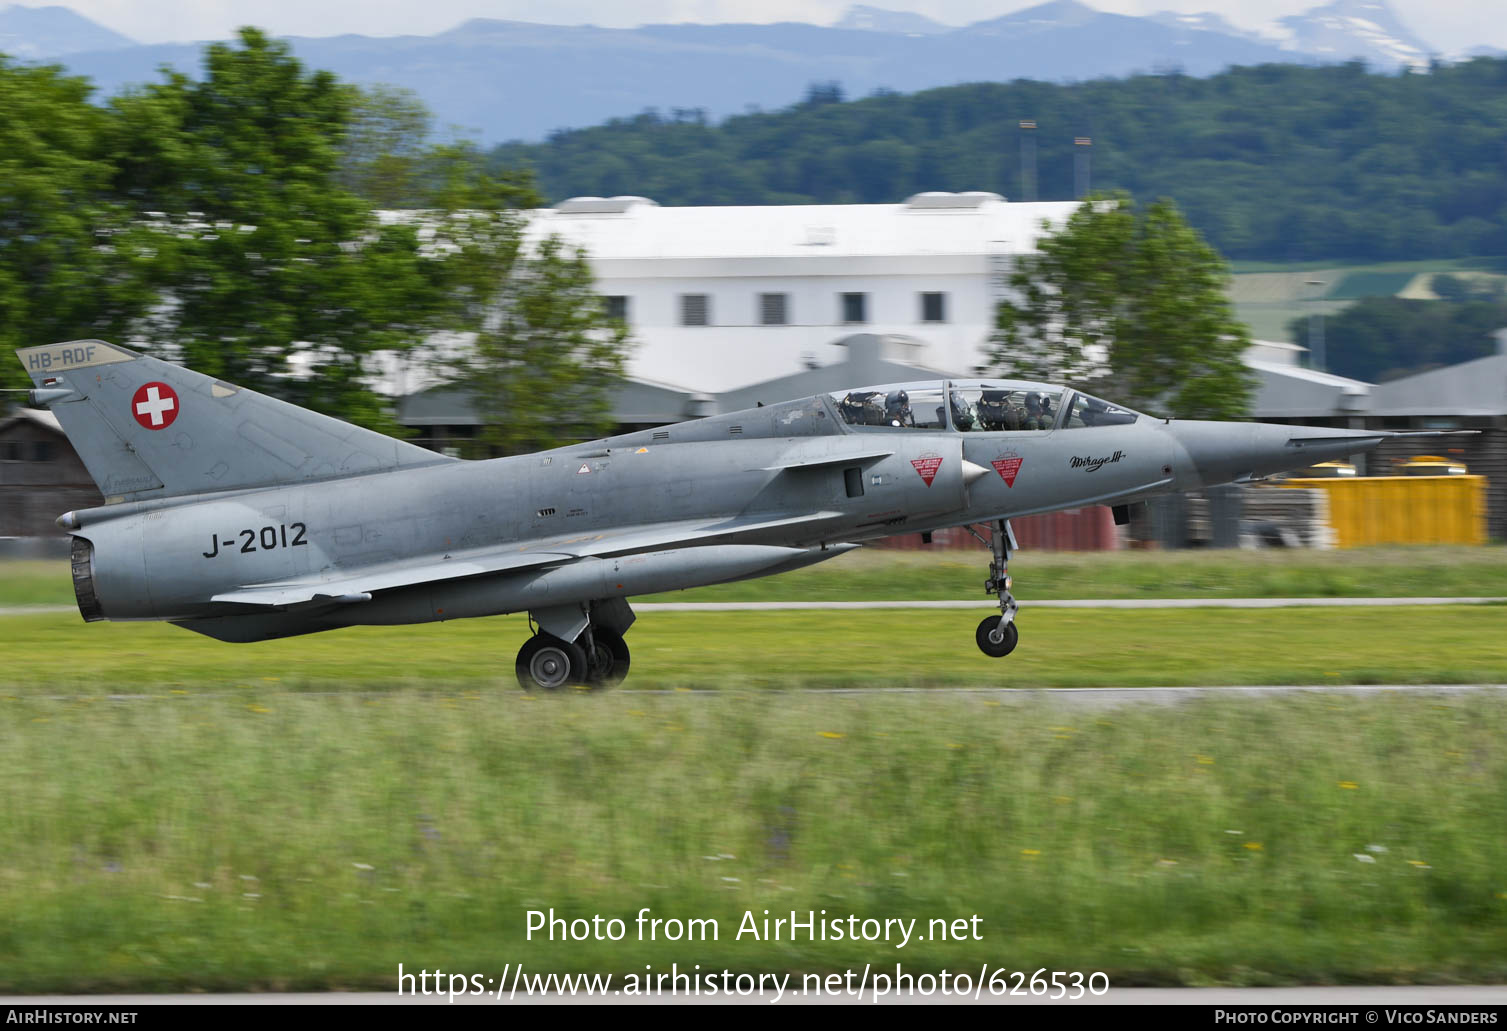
(245, 518)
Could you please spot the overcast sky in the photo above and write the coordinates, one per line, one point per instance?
(1449, 25)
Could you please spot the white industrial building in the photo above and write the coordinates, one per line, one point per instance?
(719, 298)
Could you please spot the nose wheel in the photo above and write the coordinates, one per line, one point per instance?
(997, 635)
(995, 638)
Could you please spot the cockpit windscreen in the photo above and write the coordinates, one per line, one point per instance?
(1090, 411)
(1004, 406)
(908, 407)
(977, 406)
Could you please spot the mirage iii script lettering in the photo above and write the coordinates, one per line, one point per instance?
(1093, 465)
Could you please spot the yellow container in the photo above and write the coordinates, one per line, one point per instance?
(1404, 509)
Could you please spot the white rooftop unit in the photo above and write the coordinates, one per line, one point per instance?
(602, 205)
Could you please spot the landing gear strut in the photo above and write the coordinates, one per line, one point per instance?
(997, 635)
(606, 657)
(576, 645)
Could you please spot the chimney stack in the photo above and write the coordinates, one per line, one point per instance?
(1082, 145)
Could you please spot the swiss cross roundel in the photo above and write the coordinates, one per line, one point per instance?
(155, 405)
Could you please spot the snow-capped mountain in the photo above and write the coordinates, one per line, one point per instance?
(576, 75)
(1051, 17)
(1203, 22)
(876, 19)
(1349, 29)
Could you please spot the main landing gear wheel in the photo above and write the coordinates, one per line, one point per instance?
(548, 663)
(988, 630)
(607, 661)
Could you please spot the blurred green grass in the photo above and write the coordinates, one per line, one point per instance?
(295, 842)
(873, 574)
(56, 653)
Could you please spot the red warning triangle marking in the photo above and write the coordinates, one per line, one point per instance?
(1007, 469)
(927, 468)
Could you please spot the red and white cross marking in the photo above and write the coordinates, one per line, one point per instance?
(155, 405)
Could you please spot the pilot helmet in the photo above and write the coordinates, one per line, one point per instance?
(1033, 401)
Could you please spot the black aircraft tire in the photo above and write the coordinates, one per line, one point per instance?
(988, 647)
(610, 664)
(548, 663)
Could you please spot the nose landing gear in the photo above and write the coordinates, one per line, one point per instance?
(997, 635)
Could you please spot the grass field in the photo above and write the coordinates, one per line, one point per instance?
(873, 574)
(55, 653)
(302, 842)
(1267, 296)
(1355, 285)
(309, 813)
(1420, 266)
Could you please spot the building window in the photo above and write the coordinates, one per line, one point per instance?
(933, 307)
(615, 307)
(774, 309)
(695, 310)
(41, 451)
(855, 308)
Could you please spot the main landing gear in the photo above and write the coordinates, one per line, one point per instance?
(997, 635)
(576, 646)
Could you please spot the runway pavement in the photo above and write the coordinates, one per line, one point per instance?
(1067, 697)
(1076, 603)
(983, 603)
(1360, 997)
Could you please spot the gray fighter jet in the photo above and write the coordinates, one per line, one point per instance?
(246, 518)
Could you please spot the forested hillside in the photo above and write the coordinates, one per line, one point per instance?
(1276, 162)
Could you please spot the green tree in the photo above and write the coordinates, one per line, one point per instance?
(1382, 338)
(1137, 299)
(542, 353)
(265, 258)
(541, 368)
(71, 262)
(1277, 162)
(277, 274)
(386, 147)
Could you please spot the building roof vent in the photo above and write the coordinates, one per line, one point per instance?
(603, 205)
(936, 199)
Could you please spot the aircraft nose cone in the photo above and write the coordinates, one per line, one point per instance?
(1223, 451)
(972, 472)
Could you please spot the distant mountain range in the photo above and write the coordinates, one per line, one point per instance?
(502, 80)
(43, 33)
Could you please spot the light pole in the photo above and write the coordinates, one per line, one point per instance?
(1028, 160)
(1316, 356)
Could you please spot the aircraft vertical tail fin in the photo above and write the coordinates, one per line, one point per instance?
(146, 428)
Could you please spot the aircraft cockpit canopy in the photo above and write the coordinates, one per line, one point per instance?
(976, 405)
